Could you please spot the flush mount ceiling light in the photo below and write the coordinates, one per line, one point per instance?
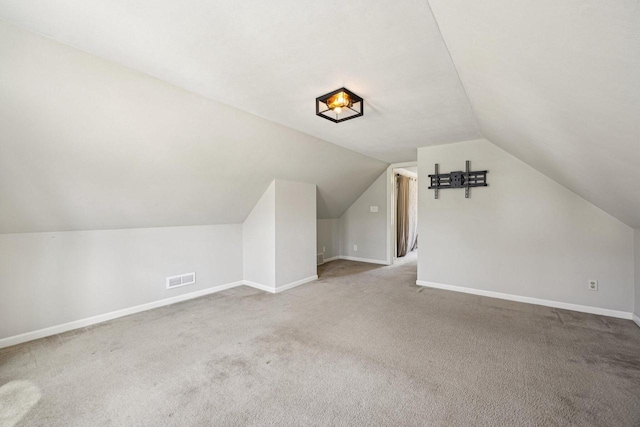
(339, 105)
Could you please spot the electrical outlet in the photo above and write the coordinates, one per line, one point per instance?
(355, 248)
(324, 249)
(373, 209)
(593, 285)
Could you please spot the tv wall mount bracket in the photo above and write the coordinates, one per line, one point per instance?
(458, 179)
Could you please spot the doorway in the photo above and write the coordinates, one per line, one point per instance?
(403, 212)
(406, 211)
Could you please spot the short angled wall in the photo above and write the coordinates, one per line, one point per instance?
(56, 282)
(259, 240)
(296, 232)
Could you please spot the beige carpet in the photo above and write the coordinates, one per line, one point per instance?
(362, 346)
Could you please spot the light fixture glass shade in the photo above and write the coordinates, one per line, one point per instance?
(339, 101)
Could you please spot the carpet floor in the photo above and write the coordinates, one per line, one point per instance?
(363, 345)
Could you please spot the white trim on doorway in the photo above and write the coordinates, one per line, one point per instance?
(391, 238)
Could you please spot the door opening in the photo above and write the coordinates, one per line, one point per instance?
(404, 213)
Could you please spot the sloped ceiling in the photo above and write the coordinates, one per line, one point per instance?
(273, 58)
(557, 84)
(89, 144)
(554, 83)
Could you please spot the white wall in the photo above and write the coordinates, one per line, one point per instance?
(329, 237)
(47, 279)
(259, 240)
(367, 230)
(637, 274)
(279, 236)
(524, 235)
(295, 222)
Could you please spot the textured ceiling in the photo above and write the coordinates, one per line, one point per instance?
(89, 144)
(273, 58)
(557, 84)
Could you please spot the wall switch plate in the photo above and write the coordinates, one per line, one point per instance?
(593, 285)
(373, 209)
(355, 248)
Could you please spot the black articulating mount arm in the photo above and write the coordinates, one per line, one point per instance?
(458, 179)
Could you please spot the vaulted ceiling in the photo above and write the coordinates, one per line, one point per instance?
(89, 144)
(557, 84)
(273, 58)
(554, 83)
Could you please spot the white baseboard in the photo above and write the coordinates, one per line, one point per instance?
(636, 319)
(296, 283)
(370, 261)
(352, 258)
(76, 324)
(259, 286)
(529, 300)
(280, 288)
